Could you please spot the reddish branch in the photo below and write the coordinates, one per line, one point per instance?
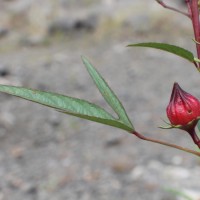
(166, 144)
(193, 14)
(172, 8)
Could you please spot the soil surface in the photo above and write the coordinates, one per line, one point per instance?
(46, 155)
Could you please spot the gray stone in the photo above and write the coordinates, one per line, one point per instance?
(3, 32)
(70, 23)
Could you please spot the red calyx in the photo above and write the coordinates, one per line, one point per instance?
(183, 107)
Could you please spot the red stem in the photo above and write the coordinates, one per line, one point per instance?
(194, 137)
(172, 8)
(194, 12)
(189, 9)
(166, 144)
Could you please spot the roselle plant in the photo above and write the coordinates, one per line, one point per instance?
(183, 110)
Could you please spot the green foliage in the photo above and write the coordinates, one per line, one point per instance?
(179, 193)
(179, 51)
(78, 107)
(107, 93)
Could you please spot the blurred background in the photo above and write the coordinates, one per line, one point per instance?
(48, 155)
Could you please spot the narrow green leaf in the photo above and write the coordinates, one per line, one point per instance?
(68, 105)
(108, 94)
(179, 193)
(179, 51)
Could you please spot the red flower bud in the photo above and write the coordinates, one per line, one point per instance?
(183, 107)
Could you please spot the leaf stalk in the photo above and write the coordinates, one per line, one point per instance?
(139, 135)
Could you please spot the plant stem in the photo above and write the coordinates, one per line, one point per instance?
(172, 8)
(189, 9)
(194, 13)
(166, 144)
(194, 137)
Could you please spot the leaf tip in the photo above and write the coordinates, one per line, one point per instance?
(84, 59)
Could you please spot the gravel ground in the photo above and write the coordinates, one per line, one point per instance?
(47, 155)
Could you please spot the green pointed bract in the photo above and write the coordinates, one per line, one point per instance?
(74, 106)
(108, 94)
(170, 126)
(179, 51)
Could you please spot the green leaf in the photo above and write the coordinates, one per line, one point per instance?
(108, 94)
(68, 105)
(179, 51)
(179, 193)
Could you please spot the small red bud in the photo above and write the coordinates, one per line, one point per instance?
(183, 107)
